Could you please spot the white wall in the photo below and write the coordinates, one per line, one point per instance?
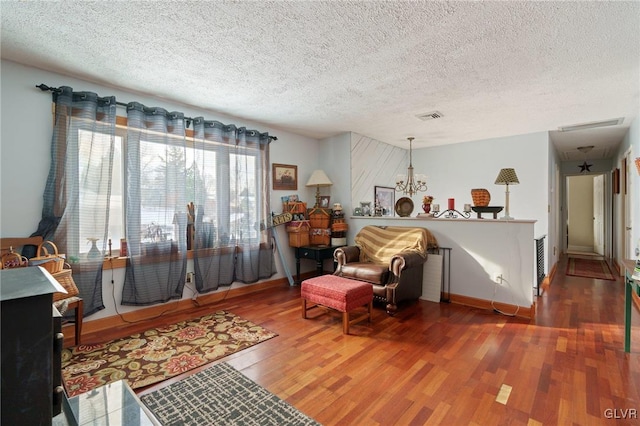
(552, 239)
(481, 250)
(374, 163)
(334, 160)
(631, 141)
(24, 158)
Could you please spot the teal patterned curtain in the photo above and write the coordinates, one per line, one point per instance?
(156, 215)
(228, 183)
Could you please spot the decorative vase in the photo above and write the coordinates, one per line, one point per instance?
(426, 208)
(93, 253)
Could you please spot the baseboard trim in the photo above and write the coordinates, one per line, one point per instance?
(179, 306)
(616, 266)
(546, 283)
(523, 312)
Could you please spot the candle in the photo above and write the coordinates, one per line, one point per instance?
(452, 203)
(467, 208)
(436, 208)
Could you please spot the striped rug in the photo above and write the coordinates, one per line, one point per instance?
(221, 395)
(589, 268)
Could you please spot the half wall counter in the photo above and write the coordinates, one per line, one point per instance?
(492, 262)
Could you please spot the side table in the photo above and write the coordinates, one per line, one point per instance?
(317, 253)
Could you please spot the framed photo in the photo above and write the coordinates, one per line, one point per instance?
(385, 197)
(324, 201)
(285, 176)
(616, 181)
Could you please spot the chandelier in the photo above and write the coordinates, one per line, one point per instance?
(413, 183)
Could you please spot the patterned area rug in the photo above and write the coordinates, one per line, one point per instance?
(589, 268)
(221, 395)
(158, 354)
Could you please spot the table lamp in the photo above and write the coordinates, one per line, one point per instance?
(507, 177)
(318, 178)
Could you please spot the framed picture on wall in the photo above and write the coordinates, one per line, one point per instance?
(385, 197)
(285, 176)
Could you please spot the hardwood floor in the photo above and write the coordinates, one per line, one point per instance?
(438, 363)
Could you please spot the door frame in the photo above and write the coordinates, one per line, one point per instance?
(606, 197)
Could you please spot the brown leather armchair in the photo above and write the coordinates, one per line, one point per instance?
(390, 258)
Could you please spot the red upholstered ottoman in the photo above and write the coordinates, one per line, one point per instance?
(341, 294)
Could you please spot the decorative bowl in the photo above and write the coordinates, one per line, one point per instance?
(404, 207)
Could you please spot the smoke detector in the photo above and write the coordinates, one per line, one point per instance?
(430, 116)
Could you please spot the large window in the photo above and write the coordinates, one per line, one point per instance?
(223, 185)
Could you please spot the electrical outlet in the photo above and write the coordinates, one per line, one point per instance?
(189, 277)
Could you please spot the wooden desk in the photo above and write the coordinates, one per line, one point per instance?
(317, 253)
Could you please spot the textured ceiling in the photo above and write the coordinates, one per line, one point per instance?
(321, 68)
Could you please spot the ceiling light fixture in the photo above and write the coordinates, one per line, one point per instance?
(591, 125)
(413, 184)
(584, 167)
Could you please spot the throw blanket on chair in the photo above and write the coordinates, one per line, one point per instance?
(378, 244)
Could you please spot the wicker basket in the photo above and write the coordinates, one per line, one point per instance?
(13, 260)
(52, 262)
(320, 218)
(66, 280)
(298, 233)
(320, 237)
(481, 197)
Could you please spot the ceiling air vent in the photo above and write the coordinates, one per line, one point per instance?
(430, 115)
(592, 125)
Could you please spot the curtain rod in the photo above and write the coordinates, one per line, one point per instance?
(189, 120)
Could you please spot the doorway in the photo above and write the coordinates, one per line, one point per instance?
(628, 250)
(585, 221)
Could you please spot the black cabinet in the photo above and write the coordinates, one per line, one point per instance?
(317, 253)
(29, 351)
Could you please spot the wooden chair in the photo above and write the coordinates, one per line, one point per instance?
(15, 245)
(18, 243)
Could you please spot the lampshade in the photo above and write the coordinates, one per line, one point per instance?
(507, 177)
(319, 178)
